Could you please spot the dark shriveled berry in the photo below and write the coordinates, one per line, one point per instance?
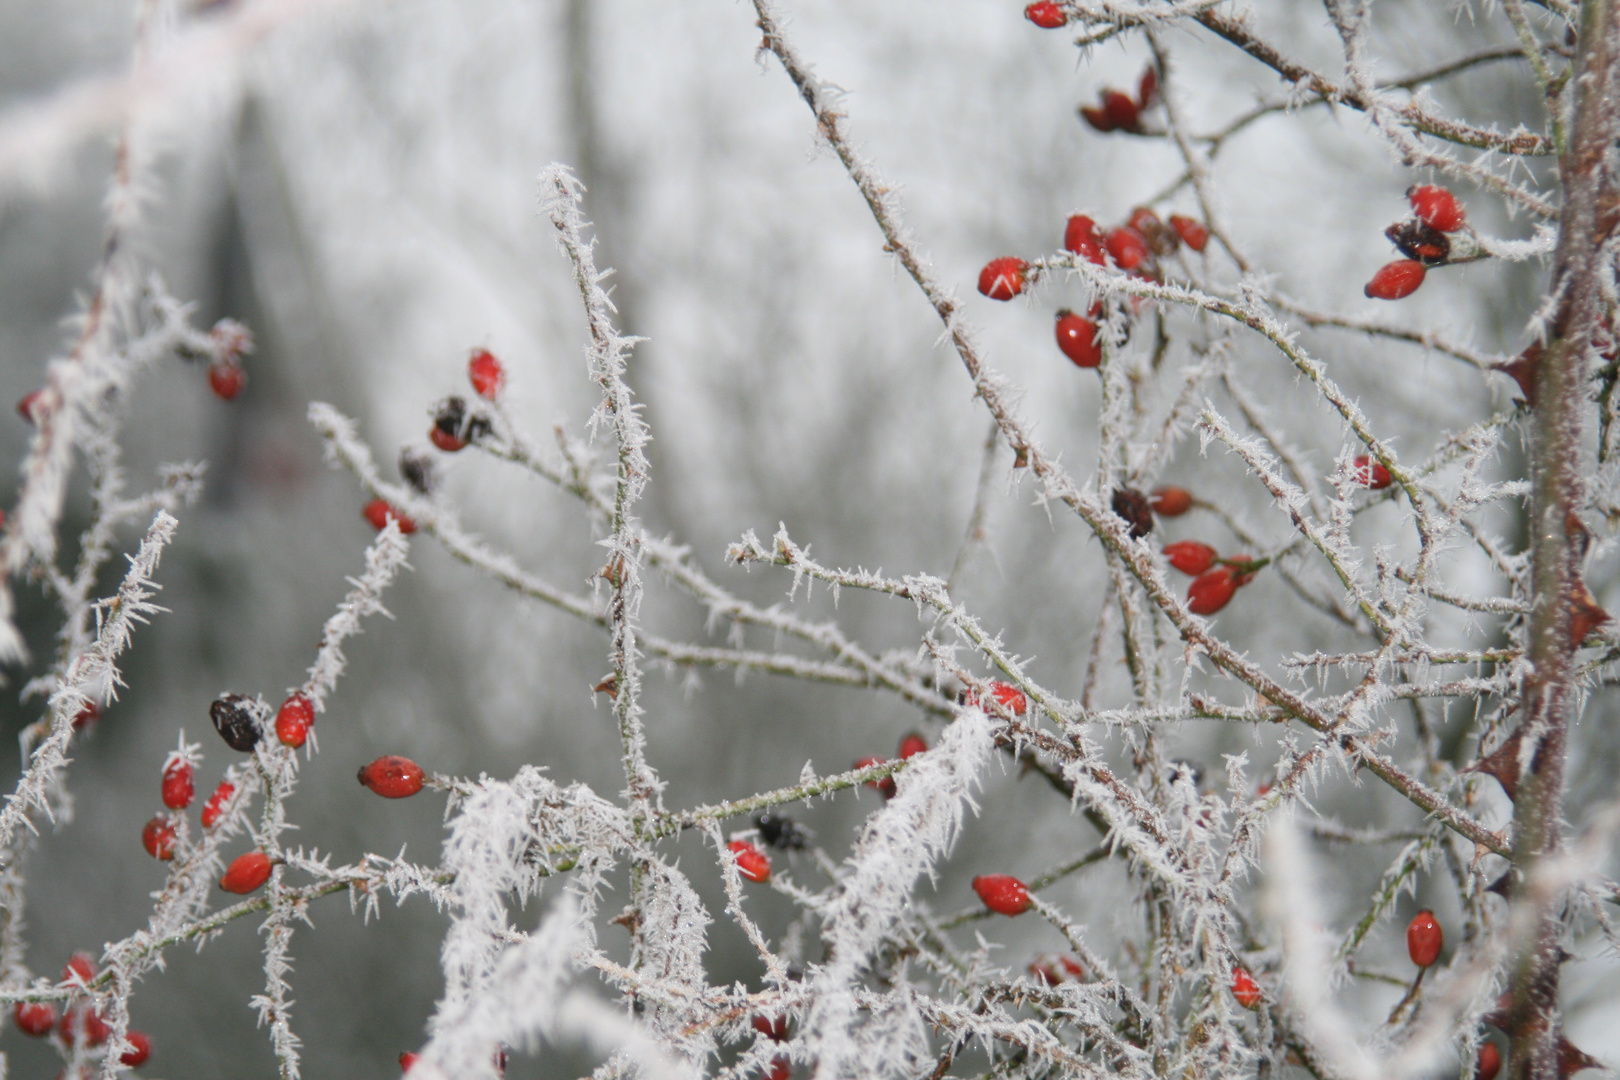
(418, 471)
(780, 831)
(1416, 240)
(237, 721)
(1136, 509)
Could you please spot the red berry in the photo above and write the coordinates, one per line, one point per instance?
(1096, 117)
(1423, 938)
(86, 716)
(444, 440)
(294, 719)
(1144, 221)
(752, 863)
(1370, 473)
(1190, 556)
(140, 1048)
(1244, 988)
(80, 969)
(1211, 590)
(226, 380)
(1082, 237)
(1046, 15)
(912, 745)
(1002, 893)
(1436, 207)
(1193, 233)
(1399, 279)
(1171, 501)
(159, 837)
(1128, 247)
(1077, 338)
(885, 786)
(1072, 966)
(246, 872)
(774, 1028)
(1490, 1062)
(781, 1068)
(1147, 91)
(377, 511)
(27, 406)
(486, 374)
(1045, 972)
(214, 808)
(178, 788)
(35, 1017)
(84, 1022)
(1003, 278)
(1237, 563)
(1010, 697)
(392, 776)
(407, 1059)
(1121, 110)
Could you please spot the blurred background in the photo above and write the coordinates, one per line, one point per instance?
(358, 187)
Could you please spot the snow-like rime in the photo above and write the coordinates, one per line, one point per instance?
(871, 980)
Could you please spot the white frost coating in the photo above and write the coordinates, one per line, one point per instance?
(384, 558)
(899, 843)
(1290, 904)
(673, 939)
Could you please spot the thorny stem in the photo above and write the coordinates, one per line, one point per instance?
(1557, 488)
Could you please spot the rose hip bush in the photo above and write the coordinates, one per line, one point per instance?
(1313, 671)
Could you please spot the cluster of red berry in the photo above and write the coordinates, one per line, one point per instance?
(1134, 247)
(1055, 970)
(910, 746)
(1422, 238)
(81, 1024)
(1215, 580)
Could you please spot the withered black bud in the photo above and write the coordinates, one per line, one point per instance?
(1136, 509)
(237, 721)
(1419, 241)
(418, 471)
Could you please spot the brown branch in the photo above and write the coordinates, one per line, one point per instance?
(1557, 492)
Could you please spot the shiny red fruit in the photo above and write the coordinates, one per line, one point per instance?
(294, 719)
(1128, 247)
(781, 1068)
(159, 837)
(1171, 501)
(140, 1048)
(84, 1022)
(1211, 590)
(226, 380)
(1011, 698)
(774, 1028)
(1082, 237)
(1193, 233)
(27, 406)
(1122, 111)
(1489, 1062)
(79, 970)
(1423, 938)
(1370, 473)
(1077, 338)
(1192, 557)
(886, 786)
(1399, 279)
(1046, 15)
(1003, 278)
(407, 1059)
(34, 1018)
(752, 863)
(1144, 221)
(178, 785)
(1002, 893)
(1096, 117)
(86, 716)
(392, 776)
(445, 441)
(1436, 207)
(246, 873)
(486, 374)
(377, 511)
(214, 808)
(1244, 988)
(912, 745)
